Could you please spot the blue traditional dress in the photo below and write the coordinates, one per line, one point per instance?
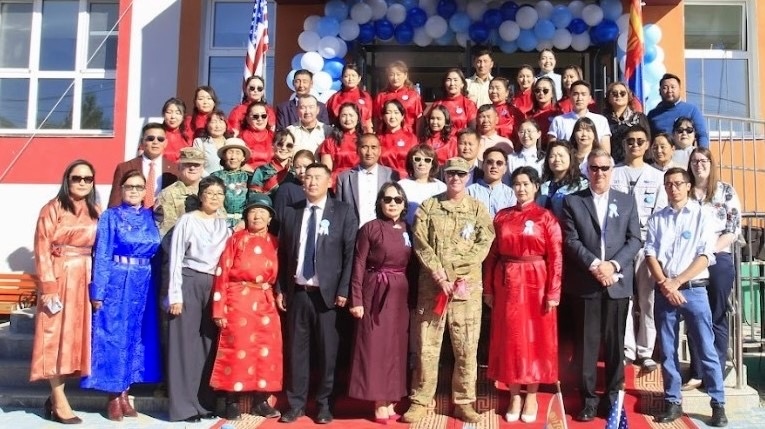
(125, 339)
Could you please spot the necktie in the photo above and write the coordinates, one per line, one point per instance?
(309, 267)
(151, 180)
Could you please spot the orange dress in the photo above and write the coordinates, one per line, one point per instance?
(249, 356)
(63, 249)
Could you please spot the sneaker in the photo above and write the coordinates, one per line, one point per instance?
(691, 384)
(649, 365)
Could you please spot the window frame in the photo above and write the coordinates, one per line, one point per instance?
(78, 75)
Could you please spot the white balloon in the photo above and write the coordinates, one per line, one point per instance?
(429, 6)
(396, 14)
(349, 30)
(576, 7)
(659, 56)
(309, 41)
(580, 42)
(509, 31)
(526, 17)
(544, 9)
(622, 41)
(475, 10)
(322, 81)
(623, 63)
(421, 37)
(312, 62)
(324, 96)
(342, 48)
(311, 23)
(592, 14)
(562, 39)
(436, 26)
(544, 44)
(462, 39)
(623, 23)
(329, 47)
(361, 13)
(290, 77)
(379, 8)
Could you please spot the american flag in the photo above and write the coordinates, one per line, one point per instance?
(617, 417)
(257, 45)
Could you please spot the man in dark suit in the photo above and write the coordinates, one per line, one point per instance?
(359, 185)
(287, 112)
(151, 163)
(602, 237)
(311, 288)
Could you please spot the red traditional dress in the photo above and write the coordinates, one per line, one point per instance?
(543, 117)
(199, 127)
(408, 97)
(523, 272)
(236, 117)
(344, 155)
(175, 142)
(249, 356)
(523, 101)
(462, 110)
(261, 144)
(360, 98)
(444, 149)
(509, 119)
(394, 147)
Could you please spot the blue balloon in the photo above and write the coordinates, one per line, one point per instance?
(404, 33)
(478, 32)
(459, 22)
(336, 85)
(544, 29)
(508, 10)
(508, 47)
(296, 61)
(334, 67)
(649, 54)
(612, 9)
(416, 17)
(446, 39)
(409, 3)
(366, 33)
(328, 26)
(577, 26)
(336, 9)
(527, 41)
(561, 16)
(446, 8)
(493, 18)
(494, 38)
(605, 32)
(384, 29)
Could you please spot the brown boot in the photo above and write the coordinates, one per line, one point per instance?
(466, 413)
(127, 409)
(114, 409)
(415, 413)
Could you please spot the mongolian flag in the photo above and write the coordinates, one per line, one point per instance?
(556, 413)
(633, 70)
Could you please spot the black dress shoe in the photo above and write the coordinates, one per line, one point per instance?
(292, 415)
(587, 414)
(267, 411)
(671, 413)
(193, 419)
(719, 419)
(208, 416)
(323, 417)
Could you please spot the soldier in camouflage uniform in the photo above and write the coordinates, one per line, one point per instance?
(452, 236)
(171, 202)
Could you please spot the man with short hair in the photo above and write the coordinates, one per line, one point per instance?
(680, 247)
(171, 202)
(359, 186)
(663, 116)
(645, 184)
(486, 125)
(468, 148)
(158, 171)
(287, 113)
(308, 131)
(490, 190)
(478, 84)
(562, 126)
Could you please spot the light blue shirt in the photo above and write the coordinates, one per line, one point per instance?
(494, 198)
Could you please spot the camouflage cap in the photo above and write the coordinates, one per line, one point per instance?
(457, 164)
(191, 155)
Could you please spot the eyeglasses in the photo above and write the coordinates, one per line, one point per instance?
(676, 185)
(618, 93)
(79, 179)
(601, 168)
(700, 161)
(459, 174)
(261, 116)
(426, 160)
(133, 187)
(635, 142)
(688, 130)
(498, 162)
(287, 145)
(387, 200)
(524, 132)
(255, 88)
(152, 138)
(544, 91)
(213, 194)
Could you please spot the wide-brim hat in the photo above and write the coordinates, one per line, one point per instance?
(259, 201)
(234, 142)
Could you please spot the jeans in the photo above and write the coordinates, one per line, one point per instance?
(698, 320)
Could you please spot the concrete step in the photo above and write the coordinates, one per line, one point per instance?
(15, 373)
(34, 396)
(23, 321)
(13, 345)
(736, 401)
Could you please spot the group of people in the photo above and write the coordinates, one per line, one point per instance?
(226, 230)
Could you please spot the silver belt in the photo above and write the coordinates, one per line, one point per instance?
(129, 260)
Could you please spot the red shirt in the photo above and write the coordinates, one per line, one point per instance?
(344, 156)
(408, 97)
(199, 127)
(444, 150)
(175, 142)
(356, 96)
(523, 101)
(544, 118)
(261, 144)
(236, 117)
(394, 147)
(509, 119)
(462, 110)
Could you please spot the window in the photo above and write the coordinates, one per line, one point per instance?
(718, 56)
(57, 66)
(225, 48)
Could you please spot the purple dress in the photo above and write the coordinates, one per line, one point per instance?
(380, 284)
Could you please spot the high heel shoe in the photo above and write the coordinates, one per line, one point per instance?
(50, 414)
(510, 416)
(48, 409)
(527, 417)
(127, 409)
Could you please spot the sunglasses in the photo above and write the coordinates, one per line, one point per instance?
(287, 145)
(79, 179)
(426, 160)
(601, 168)
(544, 91)
(388, 200)
(152, 138)
(261, 116)
(635, 142)
(618, 93)
(133, 187)
(457, 173)
(255, 88)
(688, 130)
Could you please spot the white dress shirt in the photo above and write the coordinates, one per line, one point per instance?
(601, 208)
(309, 139)
(368, 180)
(563, 126)
(478, 89)
(299, 279)
(146, 164)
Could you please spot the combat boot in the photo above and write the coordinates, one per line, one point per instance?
(415, 413)
(466, 413)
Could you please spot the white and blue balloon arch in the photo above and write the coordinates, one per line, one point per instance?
(511, 26)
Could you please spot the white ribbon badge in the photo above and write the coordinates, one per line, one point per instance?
(529, 228)
(407, 240)
(467, 231)
(612, 210)
(324, 227)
